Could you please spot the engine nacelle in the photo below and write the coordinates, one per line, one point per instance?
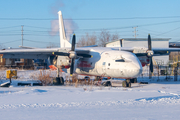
(150, 53)
(72, 54)
(63, 62)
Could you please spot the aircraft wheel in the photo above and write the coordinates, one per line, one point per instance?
(58, 81)
(128, 83)
(61, 81)
(107, 83)
(124, 83)
(134, 80)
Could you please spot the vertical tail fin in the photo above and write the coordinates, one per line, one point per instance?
(63, 40)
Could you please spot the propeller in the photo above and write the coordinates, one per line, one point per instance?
(121, 42)
(72, 54)
(150, 54)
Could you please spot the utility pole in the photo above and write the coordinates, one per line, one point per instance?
(22, 34)
(135, 35)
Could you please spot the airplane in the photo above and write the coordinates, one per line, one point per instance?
(113, 62)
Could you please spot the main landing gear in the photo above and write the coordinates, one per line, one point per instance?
(58, 80)
(127, 82)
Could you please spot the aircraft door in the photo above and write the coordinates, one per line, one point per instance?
(106, 62)
(104, 67)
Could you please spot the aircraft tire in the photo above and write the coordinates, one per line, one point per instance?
(124, 83)
(107, 83)
(58, 81)
(134, 80)
(61, 81)
(128, 81)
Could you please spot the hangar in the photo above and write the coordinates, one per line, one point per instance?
(142, 42)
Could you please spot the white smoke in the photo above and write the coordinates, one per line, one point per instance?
(55, 7)
(69, 24)
(54, 27)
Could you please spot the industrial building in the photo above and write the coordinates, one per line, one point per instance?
(142, 42)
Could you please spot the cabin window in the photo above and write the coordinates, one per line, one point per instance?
(120, 60)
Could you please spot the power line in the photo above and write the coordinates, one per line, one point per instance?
(10, 41)
(97, 29)
(10, 34)
(36, 27)
(122, 18)
(125, 18)
(168, 31)
(39, 41)
(10, 27)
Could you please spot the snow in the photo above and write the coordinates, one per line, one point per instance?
(156, 100)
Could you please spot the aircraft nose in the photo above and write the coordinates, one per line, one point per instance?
(136, 69)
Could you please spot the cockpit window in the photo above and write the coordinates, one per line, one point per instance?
(120, 60)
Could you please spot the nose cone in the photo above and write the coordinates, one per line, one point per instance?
(133, 67)
(136, 69)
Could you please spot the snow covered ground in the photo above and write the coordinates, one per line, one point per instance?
(154, 101)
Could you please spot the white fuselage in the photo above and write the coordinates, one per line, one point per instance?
(109, 63)
(105, 61)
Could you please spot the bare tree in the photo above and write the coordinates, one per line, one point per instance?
(104, 37)
(51, 45)
(87, 40)
(101, 40)
(114, 36)
(2, 46)
(81, 42)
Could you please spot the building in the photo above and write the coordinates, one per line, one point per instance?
(174, 56)
(142, 42)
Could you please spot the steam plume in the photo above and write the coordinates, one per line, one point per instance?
(69, 24)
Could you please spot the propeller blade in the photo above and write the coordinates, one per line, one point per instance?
(60, 53)
(149, 42)
(73, 59)
(150, 57)
(72, 67)
(151, 65)
(121, 42)
(73, 43)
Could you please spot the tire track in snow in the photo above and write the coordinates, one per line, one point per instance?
(172, 98)
(147, 101)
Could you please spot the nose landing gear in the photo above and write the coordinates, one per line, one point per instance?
(126, 83)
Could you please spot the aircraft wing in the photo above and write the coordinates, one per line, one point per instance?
(40, 53)
(143, 51)
(164, 51)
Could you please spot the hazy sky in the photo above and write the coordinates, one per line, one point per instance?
(160, 18)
